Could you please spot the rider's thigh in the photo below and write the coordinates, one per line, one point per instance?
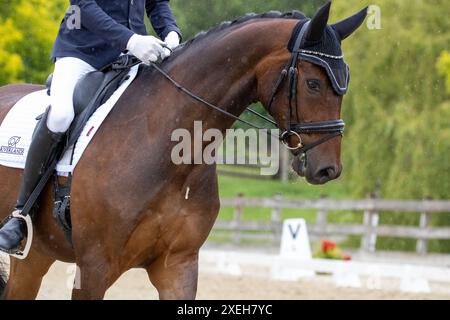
(65, 77)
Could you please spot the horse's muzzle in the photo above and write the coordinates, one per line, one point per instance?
(315, 175)
(322, 175)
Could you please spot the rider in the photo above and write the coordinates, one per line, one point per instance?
(92, 34)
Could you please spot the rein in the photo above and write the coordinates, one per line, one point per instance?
(212, 106)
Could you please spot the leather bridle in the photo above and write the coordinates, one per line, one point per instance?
(332, 128)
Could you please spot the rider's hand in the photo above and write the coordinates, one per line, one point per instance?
(172, 41)
(146, 48)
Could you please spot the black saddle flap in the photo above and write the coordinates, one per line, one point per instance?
(96, 88)
(86, 89)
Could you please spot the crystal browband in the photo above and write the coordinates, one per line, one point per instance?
(321, 54)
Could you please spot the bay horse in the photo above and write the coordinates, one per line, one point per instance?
(128, 202)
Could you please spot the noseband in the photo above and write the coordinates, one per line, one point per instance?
(332, 128)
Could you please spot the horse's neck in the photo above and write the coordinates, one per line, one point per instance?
(223, 71)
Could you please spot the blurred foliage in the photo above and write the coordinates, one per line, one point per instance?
(11, 64)
(196, 15)
(27, 31)
(443, 66)
(397, 108)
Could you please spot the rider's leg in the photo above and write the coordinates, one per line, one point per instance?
(68, 71)
(47, 136)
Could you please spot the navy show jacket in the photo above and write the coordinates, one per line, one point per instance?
(104, 27)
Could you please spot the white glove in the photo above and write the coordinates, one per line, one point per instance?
(146, 48)
(172, 41)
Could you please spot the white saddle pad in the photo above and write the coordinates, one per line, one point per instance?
(17, 128)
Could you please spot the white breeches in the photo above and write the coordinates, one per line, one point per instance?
(65, 77)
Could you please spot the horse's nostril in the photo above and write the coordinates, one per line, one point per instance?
(331, 172)
(326, 174)
(323, 174)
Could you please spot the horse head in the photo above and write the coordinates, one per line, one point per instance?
(307, 97)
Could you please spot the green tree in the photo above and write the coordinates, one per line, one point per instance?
(443, 67)
(397, 109)
(398, 119)
(5, 8)
(11, 64)
(27, 32)
(197, 15)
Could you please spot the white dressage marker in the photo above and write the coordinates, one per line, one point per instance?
(294, 245)
(295, 240)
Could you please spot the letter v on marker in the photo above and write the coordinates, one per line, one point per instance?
(294, 233)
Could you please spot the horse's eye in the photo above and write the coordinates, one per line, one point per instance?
(313, 85)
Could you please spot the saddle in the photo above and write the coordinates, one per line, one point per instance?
(94, 89)
(91, 91)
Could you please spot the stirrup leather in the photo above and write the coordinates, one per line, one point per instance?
(22, 254)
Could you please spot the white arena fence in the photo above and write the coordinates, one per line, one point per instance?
(241, 229)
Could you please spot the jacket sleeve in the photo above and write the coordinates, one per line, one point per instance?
(161, 17)
(99, 22)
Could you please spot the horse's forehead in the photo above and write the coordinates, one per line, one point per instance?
(327, 54)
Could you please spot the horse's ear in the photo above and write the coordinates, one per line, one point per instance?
(318, 23)
(348, 26)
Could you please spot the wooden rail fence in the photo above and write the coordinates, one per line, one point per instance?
(369, 230)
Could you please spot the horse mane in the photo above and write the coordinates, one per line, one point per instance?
(295, 15)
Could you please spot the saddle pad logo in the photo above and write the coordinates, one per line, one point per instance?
(12, 147)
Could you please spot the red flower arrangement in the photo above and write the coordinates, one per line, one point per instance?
(328, 245)
(329, 250)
